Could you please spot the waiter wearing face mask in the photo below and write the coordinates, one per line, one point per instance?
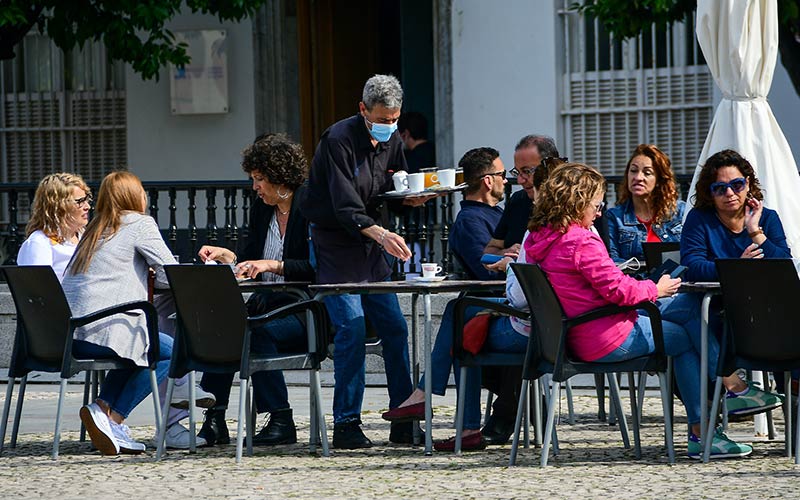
(353, 164)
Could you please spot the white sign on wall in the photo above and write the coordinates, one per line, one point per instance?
(202, 85)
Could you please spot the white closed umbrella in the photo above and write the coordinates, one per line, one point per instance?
(739, 39)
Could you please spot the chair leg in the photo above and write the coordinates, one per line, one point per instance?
(23, 384)
(6, 411)
(462, 388)
(641, 393)
(488, 412)
(192, 425)
(313, 438)
(570, 405)
(600, 388)
(250, 421)
(537, 412)
(787, 377)
(666, 397)
(162, 428)
(242, 415)
(712, 420)
(57, 434)
(616, 405)
(637, 441)
(156, 400)
(523, 401)
(320, 416)
(555, 395)
(797, 433)
(526, 426)
(87, 385)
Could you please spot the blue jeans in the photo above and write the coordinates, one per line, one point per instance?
(124, 389)
(501, 338)
(679, 345)
(685, 310)
(284, 335)
(347, 313)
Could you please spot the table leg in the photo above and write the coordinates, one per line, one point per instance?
(704, 366)
(415, 356)
(426, 305)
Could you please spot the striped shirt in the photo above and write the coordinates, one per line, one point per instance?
(273, 249)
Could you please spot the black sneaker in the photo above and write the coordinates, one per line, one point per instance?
(280, 429)
(497, 430)
(215, 430)
(348, 436)
(403, 433)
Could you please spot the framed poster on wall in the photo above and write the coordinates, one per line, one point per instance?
(201, 86)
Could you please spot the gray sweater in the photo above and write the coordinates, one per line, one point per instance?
(117, 274)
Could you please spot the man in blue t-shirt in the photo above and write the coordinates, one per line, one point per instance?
(485, 176)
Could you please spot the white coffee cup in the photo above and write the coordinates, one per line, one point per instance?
(400, 179)
(430, 269)
(447, 177)
(416, 182)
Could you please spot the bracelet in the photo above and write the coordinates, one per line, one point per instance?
(383, 236)
(756, 233)
(280, 267)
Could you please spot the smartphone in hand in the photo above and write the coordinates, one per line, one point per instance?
(678, 272)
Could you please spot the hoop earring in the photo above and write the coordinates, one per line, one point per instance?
(282, 196)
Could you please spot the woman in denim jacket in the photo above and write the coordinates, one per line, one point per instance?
(648, 209)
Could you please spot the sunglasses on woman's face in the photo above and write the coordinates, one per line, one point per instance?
(720, 188)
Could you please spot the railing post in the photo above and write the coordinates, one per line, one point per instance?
(233, 235)
(211, 210)
(13, 228)
(447, 256)
(192, 225)
(153, 195)
(245, 227)
(172, 233)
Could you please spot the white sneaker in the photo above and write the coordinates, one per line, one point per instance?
(178, 438)
(202, 399)
(126, 443)
(98, 426)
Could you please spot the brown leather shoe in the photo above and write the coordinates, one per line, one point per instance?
(468, 443)
(405, 413)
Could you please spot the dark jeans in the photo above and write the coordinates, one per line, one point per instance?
(284, 335)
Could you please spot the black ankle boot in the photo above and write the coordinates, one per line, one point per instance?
(215, 430)
(279, 430)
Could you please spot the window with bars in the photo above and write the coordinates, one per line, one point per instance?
(61, 112)
(617, 94)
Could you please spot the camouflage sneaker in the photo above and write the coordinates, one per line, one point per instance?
(721, 447)
(752, 402)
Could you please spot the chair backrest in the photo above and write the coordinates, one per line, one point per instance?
(547, 315)
(760, 300)
(656, 253)
(211, 318)
(43, 316)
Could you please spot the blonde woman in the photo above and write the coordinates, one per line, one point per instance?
(110, 267)
(59, 215)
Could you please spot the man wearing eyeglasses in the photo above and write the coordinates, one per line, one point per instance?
(485, 176)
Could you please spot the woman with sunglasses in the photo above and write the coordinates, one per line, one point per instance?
(729, 219)
(648, 209)
(59, 215)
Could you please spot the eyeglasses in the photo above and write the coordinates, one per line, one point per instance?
(720, 188)
(526, 171)
(501, 174)
(86, 200)
(599, 207)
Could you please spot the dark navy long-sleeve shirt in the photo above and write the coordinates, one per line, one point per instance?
(471, 232)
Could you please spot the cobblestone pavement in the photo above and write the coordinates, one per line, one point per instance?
(592, 464)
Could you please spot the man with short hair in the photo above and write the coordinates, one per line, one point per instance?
(485, 176)
(351, 166)
(420, 152)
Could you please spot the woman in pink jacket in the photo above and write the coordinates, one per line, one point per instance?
(584, 277)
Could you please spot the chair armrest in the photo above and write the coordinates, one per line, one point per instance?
(459, 308)
(652, 310)
(151, 317)
(318, 311)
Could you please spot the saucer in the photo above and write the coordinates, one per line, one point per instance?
(432, 279)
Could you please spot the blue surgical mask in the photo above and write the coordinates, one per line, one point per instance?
(381, 132)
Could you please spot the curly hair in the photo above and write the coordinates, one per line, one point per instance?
(708, 175)
(53, 203)
(565, 195)
(664, 199)
(384, 90)
(278, 158)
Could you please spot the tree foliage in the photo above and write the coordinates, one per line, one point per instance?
(629, 18)
(133, 31)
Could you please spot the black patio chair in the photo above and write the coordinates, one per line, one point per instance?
(759, 298)
(547, 353)
(213, 335)
(43, 342)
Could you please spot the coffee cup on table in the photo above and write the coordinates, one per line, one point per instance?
(430, 269)
(447, 177)
(416, 182)
(400, 180)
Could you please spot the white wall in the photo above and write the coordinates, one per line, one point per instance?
(504, 77)
(785, 104)
(193, 147)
